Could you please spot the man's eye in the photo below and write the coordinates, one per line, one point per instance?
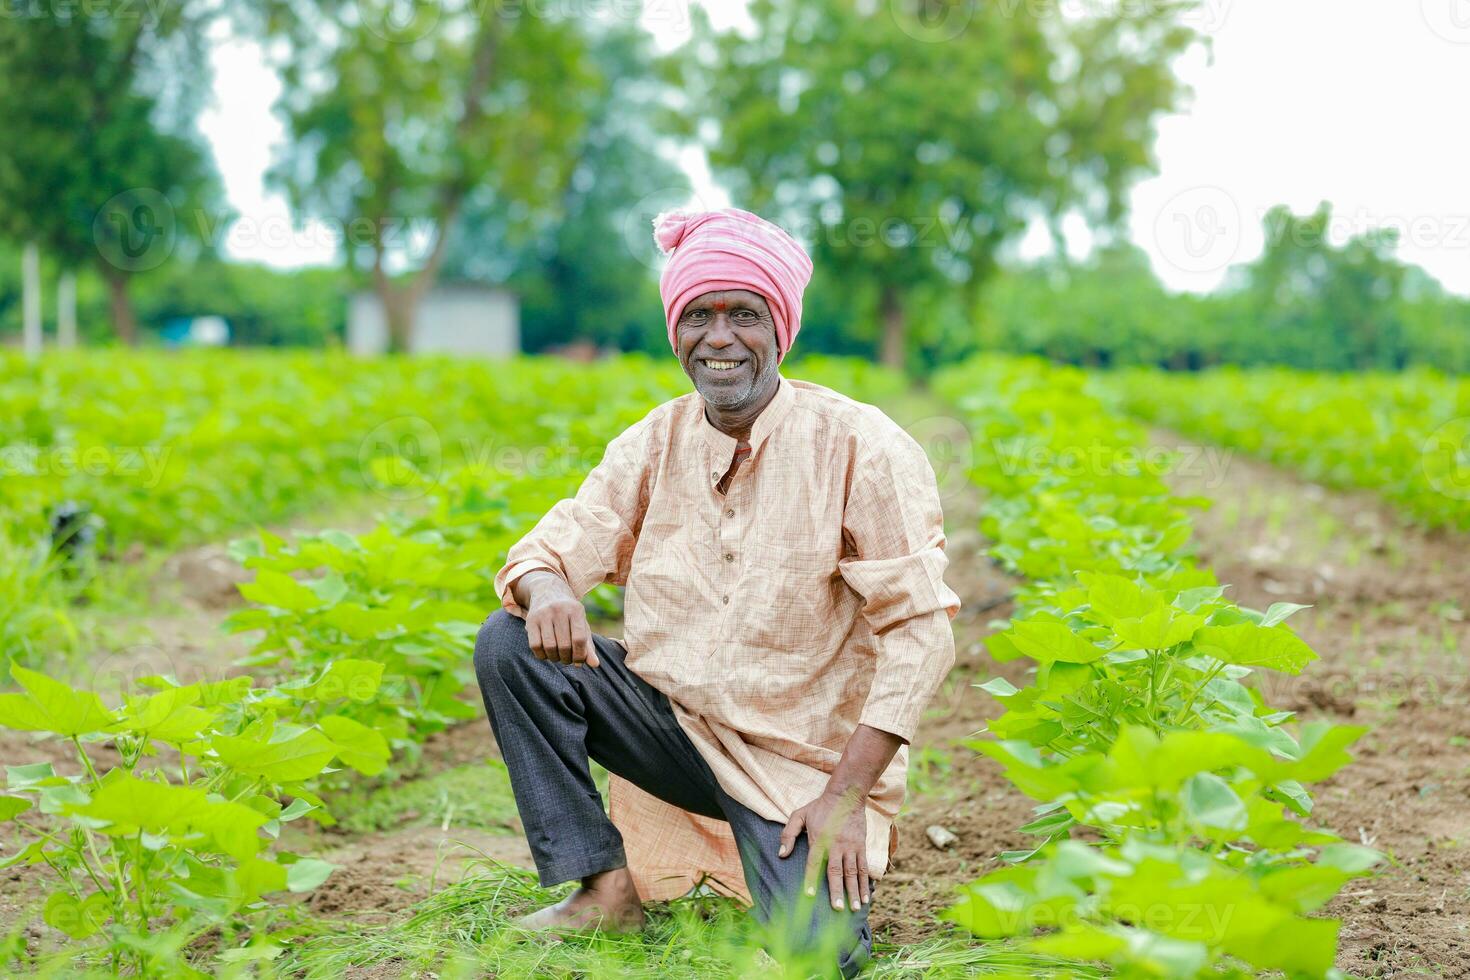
(744, 314)
(694, 315)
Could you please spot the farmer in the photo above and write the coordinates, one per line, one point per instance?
(786, 621)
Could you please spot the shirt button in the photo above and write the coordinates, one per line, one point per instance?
(729, 557)
(729, 513)
(725, 600)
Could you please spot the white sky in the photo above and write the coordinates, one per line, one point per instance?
(1359, 103)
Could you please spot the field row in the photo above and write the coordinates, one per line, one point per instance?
(1194, 856)
(1405, 436)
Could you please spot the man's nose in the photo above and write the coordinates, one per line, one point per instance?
(721, 333)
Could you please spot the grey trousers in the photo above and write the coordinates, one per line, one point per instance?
(550, 718)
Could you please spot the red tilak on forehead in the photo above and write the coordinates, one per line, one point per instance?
(719, 305)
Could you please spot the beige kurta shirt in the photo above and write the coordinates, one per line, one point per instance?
(776, 617)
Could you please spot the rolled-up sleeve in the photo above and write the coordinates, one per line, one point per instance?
(588, 539)
(896, 527)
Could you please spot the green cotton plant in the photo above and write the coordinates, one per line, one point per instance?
(1166, 909)
(409, 596)
(1137, 732)
(385, 597)
(178, 838)
(1402, 435)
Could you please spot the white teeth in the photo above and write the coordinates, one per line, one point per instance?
(722, 365)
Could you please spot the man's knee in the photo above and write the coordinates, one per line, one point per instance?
(501, 647)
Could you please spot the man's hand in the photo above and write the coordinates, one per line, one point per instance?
(556, 623)
(838, 824)
(838, 819)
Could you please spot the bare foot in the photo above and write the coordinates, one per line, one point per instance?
(606, 901)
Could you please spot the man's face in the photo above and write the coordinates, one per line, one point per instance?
(727, 345)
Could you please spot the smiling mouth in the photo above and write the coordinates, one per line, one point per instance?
(715, 365)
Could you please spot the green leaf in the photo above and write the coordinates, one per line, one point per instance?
(1352, 858)
(1191, 599)
(289, 761)
(1280, 611)
(1046, 642)
(255, 877)
(1113, 597)
(29, 775)
(357, 745)
(1210, 802)
(128, 804)
(12, 807)
(1324, 749)
(1249, 645)
(998, 686)
(1051, 823)
(77, 919)
(308, 873)
(51, 706)
(280, 590)
(361, 623)
(298, 808)
(354, 680)
(168, 716)
(1159, 630)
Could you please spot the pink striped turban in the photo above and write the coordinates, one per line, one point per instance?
(731, 249)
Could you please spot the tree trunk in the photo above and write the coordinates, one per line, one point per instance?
(895, 332)
(123, 320)
(66, 310)
(400, 304)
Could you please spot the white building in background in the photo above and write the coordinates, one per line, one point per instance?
(481, 321)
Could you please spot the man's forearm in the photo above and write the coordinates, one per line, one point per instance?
(867, 753)
(540, 582)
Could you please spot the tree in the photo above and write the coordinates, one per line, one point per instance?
(910, 140)
(584, 272)
(1326, 306)
(395, 122)
(100, 166)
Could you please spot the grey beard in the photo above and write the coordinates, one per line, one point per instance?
(726, 399)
